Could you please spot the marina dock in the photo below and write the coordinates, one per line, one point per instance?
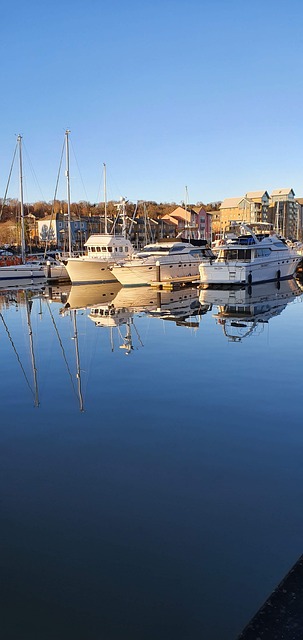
(281, 616)
(174, 283)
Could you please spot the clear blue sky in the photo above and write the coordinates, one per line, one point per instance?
(203, 93)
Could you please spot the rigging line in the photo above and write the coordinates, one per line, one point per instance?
(33, 171)
(138, 336)
(54, 200)
(62, 347)
(73, 150)
(100, 184)
(8, 181)
(16, 353)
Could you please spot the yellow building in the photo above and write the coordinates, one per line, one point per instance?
(251, 208)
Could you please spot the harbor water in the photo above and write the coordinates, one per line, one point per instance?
(151, 459)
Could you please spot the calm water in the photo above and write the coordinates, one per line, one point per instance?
(158, 493)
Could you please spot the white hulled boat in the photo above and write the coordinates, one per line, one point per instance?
(21, 273)
(162, 261)
(250, 258)
(53, 269)
(103, 250)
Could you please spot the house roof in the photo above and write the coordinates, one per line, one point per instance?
(167, 218)
(179, 213)
(256, 194)
(230, 203)
(281, 192)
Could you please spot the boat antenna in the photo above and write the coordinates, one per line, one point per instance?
(124, 201)
(105, 199)
(186, 198)
(67, 132)
(19, 141)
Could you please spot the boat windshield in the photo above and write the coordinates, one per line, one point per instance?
(154, 249)
(236, 254)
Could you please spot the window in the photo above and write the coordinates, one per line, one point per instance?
(98, 249)
(109, 249)
(126, 249)
(103, 249)
(262, 252)
(120, 248)
(93, 249)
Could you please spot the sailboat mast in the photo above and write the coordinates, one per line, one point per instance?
(19, 140)
(30, 333)
(78, 373)
(105, 199)
(67, 132)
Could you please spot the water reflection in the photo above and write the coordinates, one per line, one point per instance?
(179, 306)
(244, 311)
(111, 472)
(23, 298)
(240, 312)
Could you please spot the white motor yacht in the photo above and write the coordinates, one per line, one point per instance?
(103, 250)
(162, 261)
(250, 258)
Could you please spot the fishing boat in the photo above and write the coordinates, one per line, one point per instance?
(250, 258)
(163, 261)
(102, 251)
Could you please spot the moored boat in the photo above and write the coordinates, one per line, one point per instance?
(162, 261)
(250, 258)
(103, 250)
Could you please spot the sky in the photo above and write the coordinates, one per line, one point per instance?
(170, 94)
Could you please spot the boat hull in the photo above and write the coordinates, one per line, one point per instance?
(134, 275)
(248, 273)
(18, 275)
(83, 270)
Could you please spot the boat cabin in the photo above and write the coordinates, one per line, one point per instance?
(108, 246)
(167, 248)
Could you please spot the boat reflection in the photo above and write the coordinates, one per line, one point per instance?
(22, 298)
(244, 311)
(85, 296)
(181, 306)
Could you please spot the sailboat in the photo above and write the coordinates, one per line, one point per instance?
(103, 250)
(24, 273)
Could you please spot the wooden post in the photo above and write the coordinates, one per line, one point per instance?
(158, 274)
